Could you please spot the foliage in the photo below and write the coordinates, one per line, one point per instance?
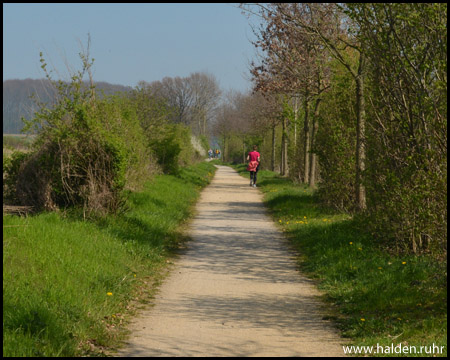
(173, 148)
(335, 142)
(204, 142)
(406, 46)
(85, 151)
(380, 73)
(11, 168)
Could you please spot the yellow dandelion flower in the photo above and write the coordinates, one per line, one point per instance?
(287, 223)
(404, 262)
(304, 217)
(399, 318)
(134, 275)
(350, 243)
(109, 293)
(363, 319)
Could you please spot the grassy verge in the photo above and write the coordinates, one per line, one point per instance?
(374, 298)
(69, 286)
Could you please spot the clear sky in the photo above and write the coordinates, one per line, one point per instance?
(129, 42)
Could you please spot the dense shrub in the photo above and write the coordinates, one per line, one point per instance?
(406, 175)
(335, 142)
(87, 151)
(173, 148)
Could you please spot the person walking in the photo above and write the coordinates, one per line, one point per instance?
(254, 159)
(210, 153)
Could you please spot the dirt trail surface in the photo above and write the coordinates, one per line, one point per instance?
(236, 291)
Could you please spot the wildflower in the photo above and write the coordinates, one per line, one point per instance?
(109, 293)
(134, 275)
(363, 319)
(350, 243)
(280, 221)
(304, 217)
(399, 318)
(379, 268)
(360, 249)
(287, 223)
(404, 262)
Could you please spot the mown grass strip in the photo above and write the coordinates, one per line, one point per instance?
(69, 284)
(376, 297)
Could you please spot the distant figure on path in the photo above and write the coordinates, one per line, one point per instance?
(253, 158)
(210, 153)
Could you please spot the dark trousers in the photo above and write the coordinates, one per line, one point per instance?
(253, 176)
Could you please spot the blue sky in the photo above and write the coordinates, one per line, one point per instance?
(129, 42)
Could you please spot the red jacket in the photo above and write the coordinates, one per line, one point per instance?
(252, 165)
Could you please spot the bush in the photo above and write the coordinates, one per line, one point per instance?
(86, 152)
(335, 142)
(11, 169)
(173, 148)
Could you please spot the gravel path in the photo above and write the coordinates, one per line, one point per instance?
(236, 291)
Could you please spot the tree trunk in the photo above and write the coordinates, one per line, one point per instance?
(315, 127)
(306, 144)
(223, 150)
(272, 165)
(284, 149)
(286, 145)
(295, 121)
(360, 137)
(204, 123)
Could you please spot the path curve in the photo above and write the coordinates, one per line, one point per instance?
(236, 291)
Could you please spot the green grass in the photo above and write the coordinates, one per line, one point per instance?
(70, 286)
(373, 297)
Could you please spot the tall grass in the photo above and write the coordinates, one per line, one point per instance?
(373, 296)
(69, 285)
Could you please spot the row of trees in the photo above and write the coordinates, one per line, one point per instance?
(193, 99)
(356, 97)
(91, 149)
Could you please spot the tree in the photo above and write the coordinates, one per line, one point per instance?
(294, 65)
(326, 23)
(206, 94)
(406, 52)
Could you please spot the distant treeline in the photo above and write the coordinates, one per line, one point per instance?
(17, 101)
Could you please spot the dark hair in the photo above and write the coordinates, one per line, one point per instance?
(255, 148)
